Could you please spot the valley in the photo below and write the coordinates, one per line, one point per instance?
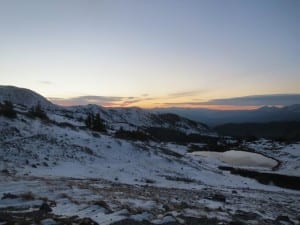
(140, 168)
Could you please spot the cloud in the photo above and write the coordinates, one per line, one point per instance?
(45, 82)
(182, 103)
(109, 101)
(253, 100)
(258, 100)
(184, 94)
(247, 102)
(85, 100)
(131, 101)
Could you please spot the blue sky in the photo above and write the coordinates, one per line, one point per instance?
(155, 51)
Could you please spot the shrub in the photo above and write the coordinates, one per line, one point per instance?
(28, 196)
(95, 123)
(7, 110)
(131, 135)
(38, 112)
(195, 148)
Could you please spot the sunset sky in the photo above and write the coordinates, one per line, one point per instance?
(153, 53)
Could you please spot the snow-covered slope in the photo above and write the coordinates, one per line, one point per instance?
(25, 97)
(136, 179)
(127, 118)
(33, 147)
(133, 118)
(96, 175)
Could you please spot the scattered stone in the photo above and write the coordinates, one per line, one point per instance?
(284, 220)
(218, 197)
(45, 208)
(149, 181)
(166, 207)
(236, 223)
(87, 221)
(9, 196)
(104, 205)
(131, 222)
(246, 216)
(165, 220)
(184, 205)
(27, 196)
(5, 171)
(48, 221)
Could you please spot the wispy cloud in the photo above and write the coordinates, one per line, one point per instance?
(133, 102)
(246, 102)
(85, 100)
(183, 103)
(184, 94)
(109, 101)
(257, 100)
(45, 82)
(174, 100)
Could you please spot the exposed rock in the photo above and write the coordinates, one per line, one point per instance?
(9, 196)
(48, 221)
(218, 197)
(284, 220)
(246, 216)
(45, 208)
(88, 221)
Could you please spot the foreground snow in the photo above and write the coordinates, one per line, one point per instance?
(107, 202)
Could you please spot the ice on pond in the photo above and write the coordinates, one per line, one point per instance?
(240, 158)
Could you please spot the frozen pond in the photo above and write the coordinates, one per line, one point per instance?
(240, 158)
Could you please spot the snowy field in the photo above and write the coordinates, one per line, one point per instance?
(59, 172)
(78, 173)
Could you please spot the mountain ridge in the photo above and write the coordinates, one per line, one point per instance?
(218, 117)
(60, 164)
(130, 119)
(25, 97)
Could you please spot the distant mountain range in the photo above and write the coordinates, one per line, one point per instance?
(218, 117)
(280, 131)
(60, 161)
(131, 118)
(127, 119)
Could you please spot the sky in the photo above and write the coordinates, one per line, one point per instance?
(171, 53)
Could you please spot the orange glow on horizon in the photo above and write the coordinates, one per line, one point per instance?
(212, 107)
(152, 105)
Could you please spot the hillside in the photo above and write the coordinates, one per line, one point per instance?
(56, 169)
(127, 118)
(24, 97)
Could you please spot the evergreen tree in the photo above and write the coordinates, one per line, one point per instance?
(88, 121)
(94, 122)
(37, 111)
(7, 110)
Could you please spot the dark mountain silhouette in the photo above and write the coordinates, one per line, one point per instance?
(218, 117)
